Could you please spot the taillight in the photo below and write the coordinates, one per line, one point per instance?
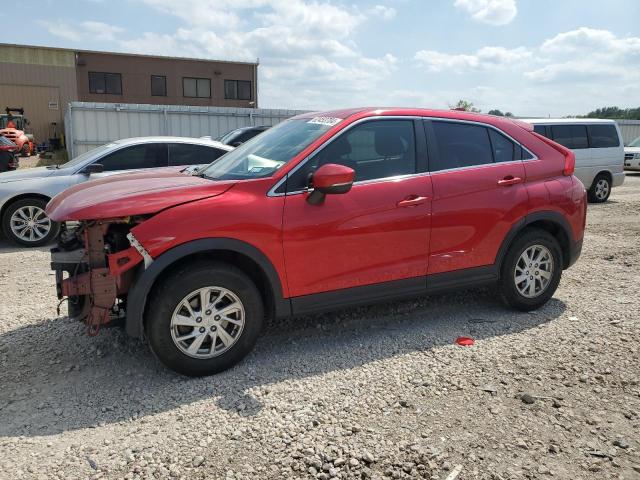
(569, 163)
(569, 157)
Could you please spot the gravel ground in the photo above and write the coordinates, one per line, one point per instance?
(379, 392)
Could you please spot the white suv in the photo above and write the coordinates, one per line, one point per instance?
(632, 155)
(598, 147)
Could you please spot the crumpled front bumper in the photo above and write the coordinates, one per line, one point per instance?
(90, 271)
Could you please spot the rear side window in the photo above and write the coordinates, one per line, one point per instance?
(603, 136)
(186, 154)
(148, 155)
(461, 145)
(571, 136)
(540, 129)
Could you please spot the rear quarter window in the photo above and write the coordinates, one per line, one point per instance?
(603, 136)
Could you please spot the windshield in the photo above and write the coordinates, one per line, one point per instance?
(87, 155)
(264, 154)
(635, 143)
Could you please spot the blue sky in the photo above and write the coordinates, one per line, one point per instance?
(530, 57)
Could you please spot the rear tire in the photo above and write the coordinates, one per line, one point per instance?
(213, 303)
(531, 270)
(25, 223)
(26, 150)
(600, 189)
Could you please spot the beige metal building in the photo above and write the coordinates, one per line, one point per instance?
(44, 80)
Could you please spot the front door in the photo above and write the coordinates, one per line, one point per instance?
(377, 232)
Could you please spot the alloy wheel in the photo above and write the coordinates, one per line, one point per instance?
(30, 223)
(207, 322)
(602, 189)
(533, 271)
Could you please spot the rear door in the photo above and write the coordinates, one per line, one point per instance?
(607, 151)
(478, 193)
(576, 138)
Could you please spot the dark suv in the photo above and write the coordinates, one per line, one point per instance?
(319, 212)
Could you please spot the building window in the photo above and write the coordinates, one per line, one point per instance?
(196, 87)
(101, 82)
(237, 90)
(158, 85)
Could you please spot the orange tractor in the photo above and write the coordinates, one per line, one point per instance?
(13, 126)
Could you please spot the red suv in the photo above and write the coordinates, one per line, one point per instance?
(322, 211)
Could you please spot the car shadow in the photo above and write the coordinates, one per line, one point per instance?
(7, 247)
(52, 374)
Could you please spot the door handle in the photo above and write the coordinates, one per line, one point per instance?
(509, 180)
(412, 201)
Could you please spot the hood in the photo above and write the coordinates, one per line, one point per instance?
(131, 194)
(631, 149)
(25, 174)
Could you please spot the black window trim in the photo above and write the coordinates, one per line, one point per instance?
(549, 132)
(433, 151)
(165, 85)
(421, 154)
(105, 82)
(237, 97)
(196, 78)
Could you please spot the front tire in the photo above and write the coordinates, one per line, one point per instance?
(25, 223)
(531, 270)
(600, 189)
(204, 318)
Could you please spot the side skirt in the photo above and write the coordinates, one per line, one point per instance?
(395, 290)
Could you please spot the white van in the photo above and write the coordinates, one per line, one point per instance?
(598, 147)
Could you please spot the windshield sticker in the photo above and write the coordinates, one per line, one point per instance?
(331, 121)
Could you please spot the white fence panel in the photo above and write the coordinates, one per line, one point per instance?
(88, 125)
(630, 130)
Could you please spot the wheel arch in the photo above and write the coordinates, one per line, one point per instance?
(238, 253)
(19, 197)
(550, 221)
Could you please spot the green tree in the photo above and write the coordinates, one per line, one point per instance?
(615, 113)
(496, 112)
(465, 105)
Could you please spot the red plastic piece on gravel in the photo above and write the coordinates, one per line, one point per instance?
(464, 341)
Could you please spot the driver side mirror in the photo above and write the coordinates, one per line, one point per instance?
(330, 178)
(93, 168)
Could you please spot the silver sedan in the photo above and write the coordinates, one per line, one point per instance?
(25, 193)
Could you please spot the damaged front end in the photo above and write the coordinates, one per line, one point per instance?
(95, 265)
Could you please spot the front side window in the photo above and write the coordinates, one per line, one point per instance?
(570, 136)
(237, 90)
(603, 136)
(186, 154)
(148, 155)
(196, 87)
(158, 85)
(267, 153)
(460, 145)
(106, 83)
(374, 150)
(540, 129)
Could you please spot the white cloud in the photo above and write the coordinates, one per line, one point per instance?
(307, 53)
(100, 30)
(484, 58)
(493, 12)
(383, 12)
(61, 30)
(89, 30)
